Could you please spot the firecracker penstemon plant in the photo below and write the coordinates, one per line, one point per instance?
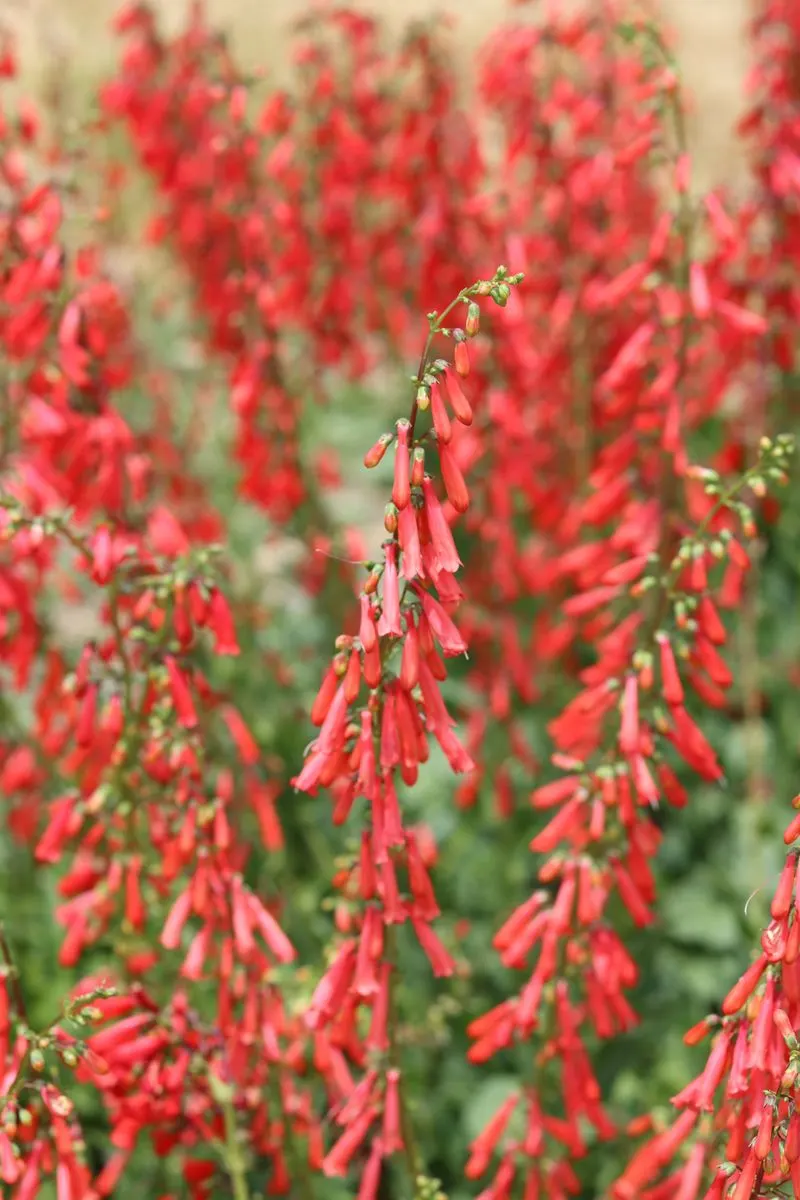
(367, 752)
(216, 949)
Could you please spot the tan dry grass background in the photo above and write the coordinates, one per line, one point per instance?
(709, 33)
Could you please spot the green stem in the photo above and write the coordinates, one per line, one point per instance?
(410, 1150)
(12, 976)
(436, 323)
(232, 1153)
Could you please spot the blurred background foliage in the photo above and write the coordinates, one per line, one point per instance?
(720, 856)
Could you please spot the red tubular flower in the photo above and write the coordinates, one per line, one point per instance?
(392, 1136)
(408, 536)
(276, 940)
(484, 1145)
(178, 915)
(181, 696)
(454, 483)
(461, 358)
(443, 629)
(103, 556)
(743, 989)
(441, 421)
(442, 962)
(458, 401)
(629, 727)
(332, 728)
(10, 1167)
(367, 632)
(338, 1159)
(245, 742)
(389, 623)
(371, 1178)
(671, 687)
(401, 491)
(221, 623)
(444, 548)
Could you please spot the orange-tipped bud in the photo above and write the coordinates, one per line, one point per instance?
(376, 452)
(473, 321)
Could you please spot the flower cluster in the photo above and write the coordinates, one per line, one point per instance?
(364, 751)
(572, 520)
(740, 1115)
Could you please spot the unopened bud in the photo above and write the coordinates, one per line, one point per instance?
(390, 518)
(423, 399)
(789, 1077)
(473, 321)
(376, 452)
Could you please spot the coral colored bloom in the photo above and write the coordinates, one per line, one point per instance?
(389, 623)
(181, 696)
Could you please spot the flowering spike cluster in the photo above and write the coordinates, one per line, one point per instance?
(377, 709)
(621, 356)
(309, 194)
(617, 742)
(735, 1135)
(204, 159)
(739, 1121)
(145, 823)
(131, 778)
(645, 593)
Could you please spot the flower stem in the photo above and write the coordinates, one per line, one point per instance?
(232, 1153)
(410, 1147)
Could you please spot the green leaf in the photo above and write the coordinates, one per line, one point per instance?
(694, 915)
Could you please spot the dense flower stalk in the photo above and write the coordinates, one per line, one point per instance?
(370, 750)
